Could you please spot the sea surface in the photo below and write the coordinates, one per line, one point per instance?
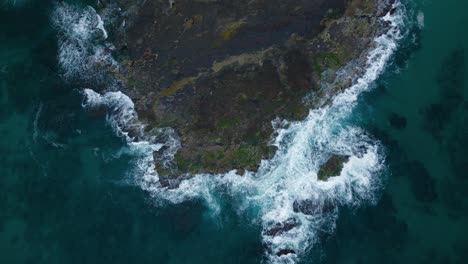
(73, 189)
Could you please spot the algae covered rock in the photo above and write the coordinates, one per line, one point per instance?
(332, 167)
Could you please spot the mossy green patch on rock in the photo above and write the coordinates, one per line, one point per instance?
(218, 159)
(332, 167)
(225, 123)
(327, 60)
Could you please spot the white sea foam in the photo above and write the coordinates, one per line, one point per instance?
(120, 110)
(100, 26)
(284, 196)
(82, 53)
(157, 145)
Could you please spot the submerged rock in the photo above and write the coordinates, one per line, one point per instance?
(313, 207)
(219, 72)
(423, 185)
(397, 121)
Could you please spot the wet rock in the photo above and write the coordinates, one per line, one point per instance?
(313, 207)
(285, 251)
(279, 228)
(360, 151)
(387, 8)
(168, 182)
(332, 167)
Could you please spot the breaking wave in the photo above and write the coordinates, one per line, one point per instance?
(285, 196)
(157, 145)
(83, 52)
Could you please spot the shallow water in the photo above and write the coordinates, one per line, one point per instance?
(66, 194)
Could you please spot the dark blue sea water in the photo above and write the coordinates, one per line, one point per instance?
(67, 193)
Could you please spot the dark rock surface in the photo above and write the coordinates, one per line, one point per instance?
(219, 71)
(313, 207)
(279, 228)
(285, 252)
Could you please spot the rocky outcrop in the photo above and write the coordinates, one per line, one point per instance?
(332, 167)
(279, 228)
(219, 71)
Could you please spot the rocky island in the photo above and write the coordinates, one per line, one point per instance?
(220, 71)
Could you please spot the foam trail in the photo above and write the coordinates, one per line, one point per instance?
(36, 121)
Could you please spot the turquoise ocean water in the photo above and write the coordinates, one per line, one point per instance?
(67, 195)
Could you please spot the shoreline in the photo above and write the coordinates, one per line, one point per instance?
(218, 138)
